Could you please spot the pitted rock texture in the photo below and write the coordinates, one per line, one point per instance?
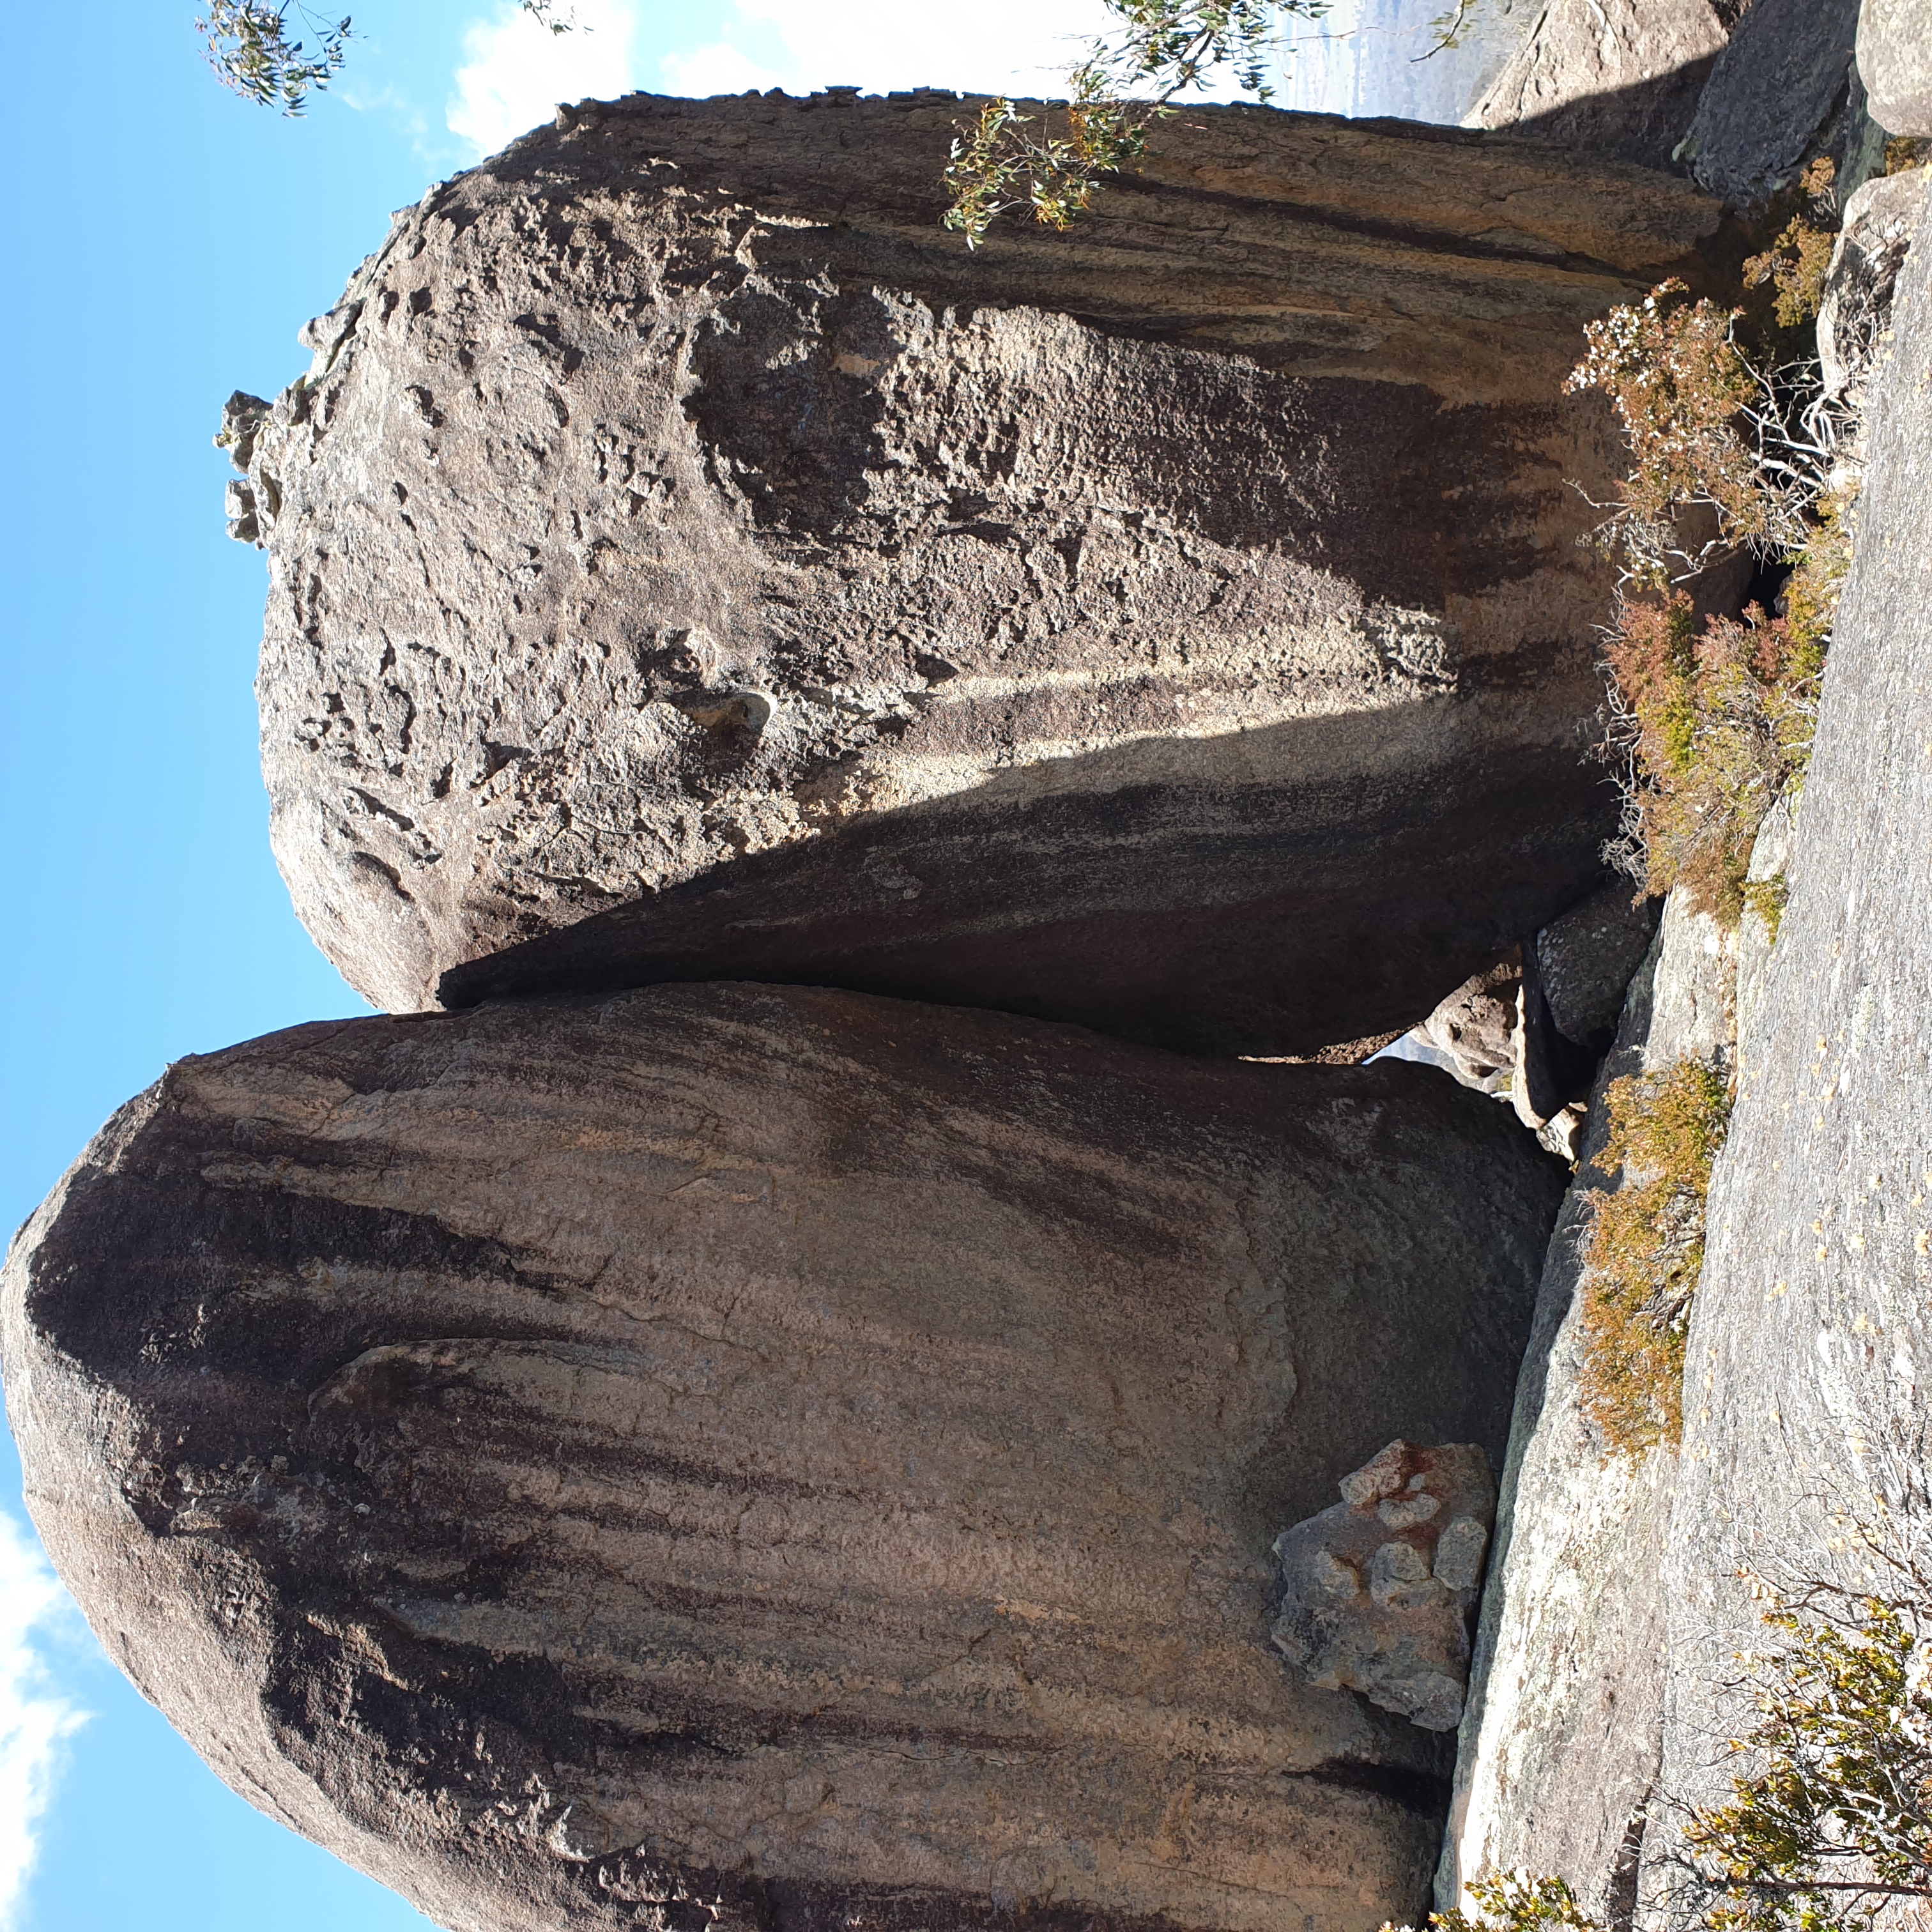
(1377, 1590)
(687, 562)
(1855, 318)
(1894, 54)
(1586, 960)
(1571, 993)
(802, 1460)
(1474, 1029)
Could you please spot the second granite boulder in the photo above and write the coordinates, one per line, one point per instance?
(782, 1458)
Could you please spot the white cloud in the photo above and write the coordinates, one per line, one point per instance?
(389, 101)
(515, 70)
(386, 99)
(718, 69)
(33, 1720)
(1018, 47)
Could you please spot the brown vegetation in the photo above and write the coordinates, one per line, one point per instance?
(1646, 1245)
(1795, 265)
(1717, 718)
(1709, 722)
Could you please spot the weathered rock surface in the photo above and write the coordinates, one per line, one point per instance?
(1376, 1590)
(1586, 960)
(1854, 318)
(1560, 1743)
(1785, 71)
(1615, 1604)
(1569, 994)
(687, 562)
(1807, 1412)
(767, 1457)
(1619, 77)
(1758, 922)
(1894, 54)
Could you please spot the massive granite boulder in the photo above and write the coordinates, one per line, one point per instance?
(1895, 55)
(1784, 89)
(688, 561)
(768, 1457)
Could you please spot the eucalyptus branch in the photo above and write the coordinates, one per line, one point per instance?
(1126, 83)
(1793, 1888)
(1447, 30)
(249, 48)
(251, 53)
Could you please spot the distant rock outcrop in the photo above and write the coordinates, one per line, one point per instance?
(768, 1458)
(1474, 1029)
(1383, 58)
(1741, 93)
(1619, 77)
(687, 561)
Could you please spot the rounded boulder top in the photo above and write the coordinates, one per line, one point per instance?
(688, 560)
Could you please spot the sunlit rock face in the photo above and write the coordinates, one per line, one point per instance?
(768, 1457)
(689, 561)
(1625, 1588)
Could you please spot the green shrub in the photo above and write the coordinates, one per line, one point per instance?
(1680, 385)
(1766, 898)
(1120, 89)
(1713, 722)
(1645, 1247)
(1517, 1901)
(1795, 265)
(1831, 1822)
(1818, 575)
(1709, 722)
(1834, 1819)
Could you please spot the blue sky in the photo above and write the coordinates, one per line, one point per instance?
(165, 242)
